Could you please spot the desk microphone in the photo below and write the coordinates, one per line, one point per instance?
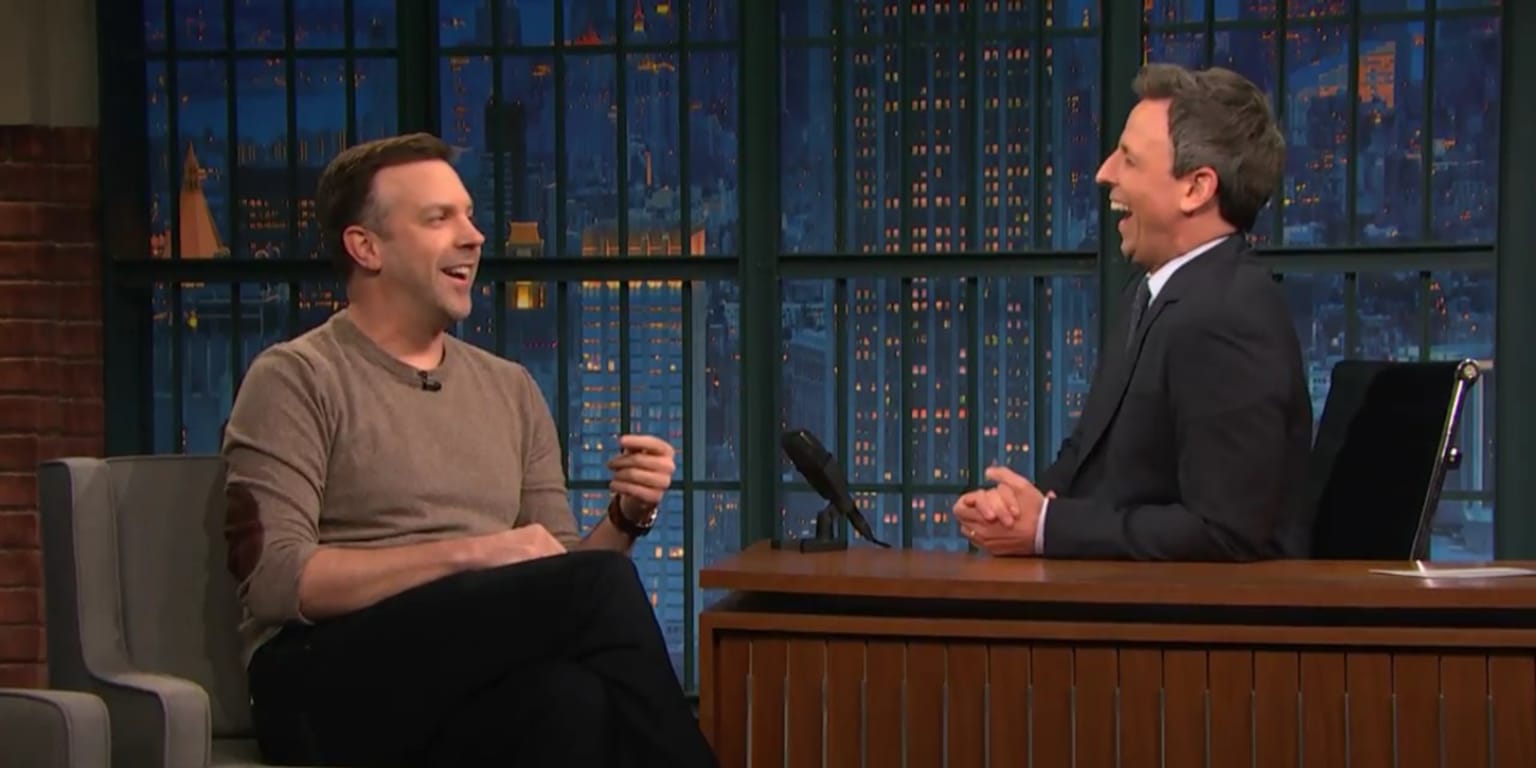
(820, 469)
(428, 383)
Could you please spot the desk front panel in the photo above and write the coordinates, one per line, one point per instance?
(805, 690)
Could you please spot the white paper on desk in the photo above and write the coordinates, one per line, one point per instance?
(1459, 573)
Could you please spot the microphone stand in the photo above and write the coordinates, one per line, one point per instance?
(822, 541)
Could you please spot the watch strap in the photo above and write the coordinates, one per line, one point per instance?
(622, 522)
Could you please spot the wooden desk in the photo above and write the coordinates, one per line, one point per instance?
(865, 655)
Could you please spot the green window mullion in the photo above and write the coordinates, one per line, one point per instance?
(174, 168)
(1040, 406)
(973, 286)
(685, 147)
(907, 125)
(974, 93)
(416, 22)
(841, 369)
(291, 97)
(908, 341)
(232, 164)
(842, 116)
(349, 54)
(1278, 208)
(178, 367)
(1039, 346)
(690, 447)
(972, 296)
(1427, 145)
(1282, 17)
(173, 140)
(1426, 313)
(1352, 88)
(293, 307)
(1210, 32)
(1351, 314)
(757, 269)
(1037, 97)
(563, 349)
(904, 186)
(625, 324)
(496, 134)
(690, 460)
(939, 489)
(236, 341)
(621, 140)
(839, 52)
(561, 100)
(499, 317)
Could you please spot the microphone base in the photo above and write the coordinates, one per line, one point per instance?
(823, 541)
(810, 546)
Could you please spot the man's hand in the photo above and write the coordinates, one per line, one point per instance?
(641, 474)
(1001, 520)
(516, 545)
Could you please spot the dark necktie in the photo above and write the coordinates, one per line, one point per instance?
(1138, 309)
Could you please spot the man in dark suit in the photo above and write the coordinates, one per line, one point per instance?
(1194, 440)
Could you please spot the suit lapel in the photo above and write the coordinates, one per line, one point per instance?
(1102, 409)
(1133, 352)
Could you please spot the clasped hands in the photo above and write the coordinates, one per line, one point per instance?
(1002, 519)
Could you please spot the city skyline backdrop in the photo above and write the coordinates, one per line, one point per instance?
(603, 128)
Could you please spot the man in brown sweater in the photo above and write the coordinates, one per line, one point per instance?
(414, 586)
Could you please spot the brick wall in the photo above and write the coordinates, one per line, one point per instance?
(50, 356)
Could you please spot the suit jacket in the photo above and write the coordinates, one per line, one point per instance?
(1194, 443)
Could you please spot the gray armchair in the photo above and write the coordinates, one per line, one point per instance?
(53, 729)
(141, 609)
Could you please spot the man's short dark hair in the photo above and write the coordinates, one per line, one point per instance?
(344, 196)
(1220, 119)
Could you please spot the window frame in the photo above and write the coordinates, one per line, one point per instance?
(129, 274)
(1039, 264)
(1425, 256)
(760, 264)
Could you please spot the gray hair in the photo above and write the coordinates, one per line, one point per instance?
(1220, 119)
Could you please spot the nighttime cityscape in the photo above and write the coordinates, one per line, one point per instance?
(595, 128)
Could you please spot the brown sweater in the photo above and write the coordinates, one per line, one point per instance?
(334, 442)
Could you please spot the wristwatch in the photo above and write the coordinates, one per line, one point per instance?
(634, 528)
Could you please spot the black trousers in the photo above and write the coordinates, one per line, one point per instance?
(556, 661)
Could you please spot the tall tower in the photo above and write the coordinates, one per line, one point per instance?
(199, 237)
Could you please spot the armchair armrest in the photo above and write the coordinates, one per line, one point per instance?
(157, 720)
(54, 729)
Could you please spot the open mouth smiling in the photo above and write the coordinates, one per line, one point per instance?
(461, 273)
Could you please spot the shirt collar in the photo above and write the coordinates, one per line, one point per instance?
(1156, 280)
